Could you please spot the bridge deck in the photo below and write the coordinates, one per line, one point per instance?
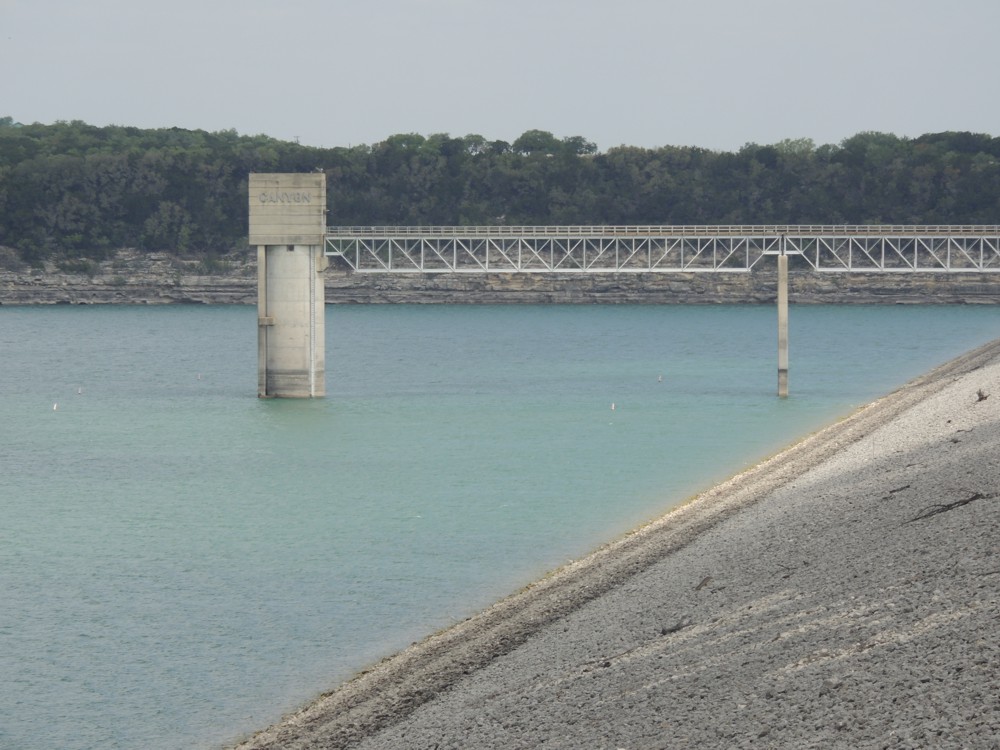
(664, 249)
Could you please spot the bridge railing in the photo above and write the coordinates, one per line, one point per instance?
(694, 230)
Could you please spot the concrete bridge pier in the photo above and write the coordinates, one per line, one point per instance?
(783, 322)
(290, 321)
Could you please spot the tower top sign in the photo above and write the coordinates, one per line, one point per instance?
(287, 209)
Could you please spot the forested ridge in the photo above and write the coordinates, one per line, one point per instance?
(76, 191)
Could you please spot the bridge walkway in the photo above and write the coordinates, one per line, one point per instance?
(664, 249)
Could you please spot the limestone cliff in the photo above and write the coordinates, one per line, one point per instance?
(134, 278)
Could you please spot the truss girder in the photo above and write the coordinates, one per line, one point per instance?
(662, 249)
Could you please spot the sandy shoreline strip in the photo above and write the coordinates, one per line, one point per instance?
(845, 592)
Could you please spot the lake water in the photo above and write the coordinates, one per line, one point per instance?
(181, 563)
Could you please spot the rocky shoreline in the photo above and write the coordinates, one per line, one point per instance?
(158, 278)
(132, 278)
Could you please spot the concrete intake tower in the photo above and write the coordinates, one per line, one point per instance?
(287, 225)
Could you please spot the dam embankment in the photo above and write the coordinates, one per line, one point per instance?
(843, 593)
(157, 278)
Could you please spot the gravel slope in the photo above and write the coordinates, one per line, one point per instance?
(845, 593)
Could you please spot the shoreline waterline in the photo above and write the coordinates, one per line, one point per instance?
(393, 689)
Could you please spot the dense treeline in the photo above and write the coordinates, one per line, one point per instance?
(72, 190)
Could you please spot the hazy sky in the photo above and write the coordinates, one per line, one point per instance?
(711, 73)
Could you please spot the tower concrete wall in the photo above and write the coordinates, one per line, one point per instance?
(291, 330)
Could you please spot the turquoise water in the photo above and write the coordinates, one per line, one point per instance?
(181, 563)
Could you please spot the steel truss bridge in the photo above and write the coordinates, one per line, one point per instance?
(665, 249)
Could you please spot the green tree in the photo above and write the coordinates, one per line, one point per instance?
(75, 191)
